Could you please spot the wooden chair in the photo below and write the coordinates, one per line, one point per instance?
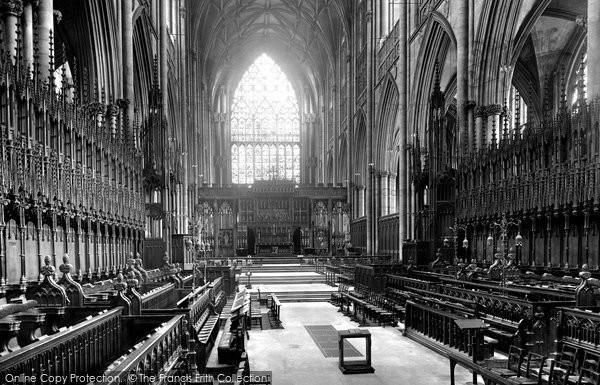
(588, 377)
(560, 371)
(513, 364)
(590, 365)
(529, 371)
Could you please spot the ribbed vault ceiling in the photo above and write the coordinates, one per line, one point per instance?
(301, 35)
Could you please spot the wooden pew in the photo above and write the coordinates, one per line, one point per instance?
(61, 354)
(275, 307)
(489, 377)
(157, 356)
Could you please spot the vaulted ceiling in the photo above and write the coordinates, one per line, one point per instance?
(302, 36)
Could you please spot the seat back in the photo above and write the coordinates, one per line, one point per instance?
(515, 358)
(535, 365)
(588, 377)
(560, 371)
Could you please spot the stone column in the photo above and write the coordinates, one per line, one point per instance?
(45, 27)
(462, 76)
(384, 188)
(494, 126)
(392, 197)
(361, 201)
(471, 132)
(370, 52)
(593, 49)
(403, 122)
(384, 19)
(11, 10)
(27, 29)
(127, 52)
(480, 127)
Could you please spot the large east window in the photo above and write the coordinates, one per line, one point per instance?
(265, 126)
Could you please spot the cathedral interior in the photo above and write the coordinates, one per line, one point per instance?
(218, 191)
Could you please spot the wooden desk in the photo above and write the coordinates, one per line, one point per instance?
(472, 324)
(355, 367)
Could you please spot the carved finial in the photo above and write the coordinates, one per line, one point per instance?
(585, 272)
(131, 280)
(48, 270)
(120, 284)
(66, 267)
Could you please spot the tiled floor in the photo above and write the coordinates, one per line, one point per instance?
(293, 357)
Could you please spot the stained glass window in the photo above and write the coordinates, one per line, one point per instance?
(265, 126)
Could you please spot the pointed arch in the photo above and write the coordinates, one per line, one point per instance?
(359, 154)
(436, 44)
(387, 122)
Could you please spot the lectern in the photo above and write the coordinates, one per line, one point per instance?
(355, 367)
(472, 326)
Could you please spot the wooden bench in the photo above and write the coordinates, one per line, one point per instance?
(467, 362)
(275, 307)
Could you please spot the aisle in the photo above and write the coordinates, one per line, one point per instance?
(294, 358)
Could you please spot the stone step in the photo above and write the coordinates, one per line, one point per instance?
(282, 280)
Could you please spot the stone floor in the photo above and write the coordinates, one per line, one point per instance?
(294, 358)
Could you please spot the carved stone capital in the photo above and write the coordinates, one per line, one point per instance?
(480, 111)
(123, 103)
(97, 108)
(494, 109)
(12, 7)
(112, 110)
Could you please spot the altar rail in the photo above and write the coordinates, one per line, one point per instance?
(156, 355)
(81, 349)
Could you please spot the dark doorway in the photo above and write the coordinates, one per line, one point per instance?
(251, 241)
(297, 241)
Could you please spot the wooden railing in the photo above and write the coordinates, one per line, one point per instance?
(503, 307)
(579, 326)
(159, 298)
(436, 325)
(401, 282)
(155, 357)
(81, 349)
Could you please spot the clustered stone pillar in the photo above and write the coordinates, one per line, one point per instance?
(403, 124)
(127, 45)
(462, 63)
(384, 180)
(593, 49)
(361, 201)
(392, 189)
(370, 52)
(480, 126)
(28, 32)
(11, 11)
(45, 27)
(493, 112)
